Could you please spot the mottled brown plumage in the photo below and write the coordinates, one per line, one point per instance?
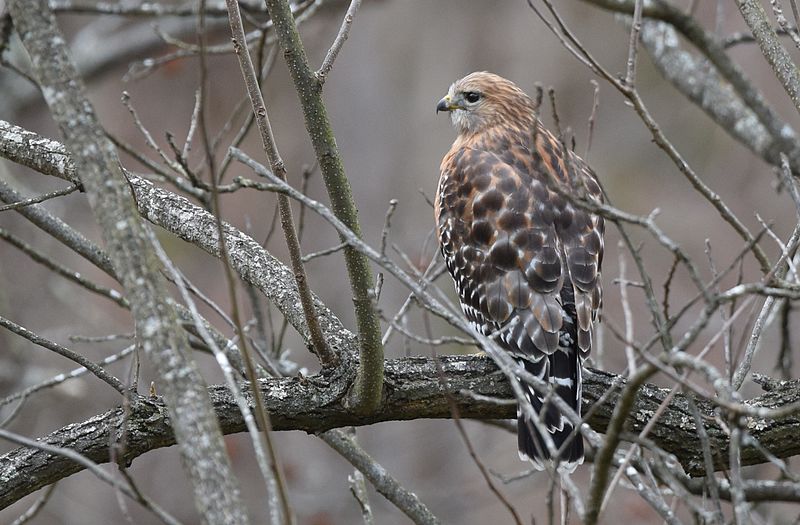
(525, 260)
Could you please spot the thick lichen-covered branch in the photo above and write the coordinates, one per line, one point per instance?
(413, 390)
(711, 46)
(771, 47)
(187, 221)
(216, 491)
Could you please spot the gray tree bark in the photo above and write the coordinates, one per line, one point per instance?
(216, 491)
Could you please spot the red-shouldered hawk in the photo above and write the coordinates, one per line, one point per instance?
(525, 260)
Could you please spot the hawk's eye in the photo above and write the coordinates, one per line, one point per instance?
(472, 97)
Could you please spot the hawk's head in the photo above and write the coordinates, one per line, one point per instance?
(482, 100)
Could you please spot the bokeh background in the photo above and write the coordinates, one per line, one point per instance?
(399, 60)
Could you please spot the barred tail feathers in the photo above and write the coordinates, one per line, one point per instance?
(562, 370)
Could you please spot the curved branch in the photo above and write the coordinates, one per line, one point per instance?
(413, 390)
(191, 223)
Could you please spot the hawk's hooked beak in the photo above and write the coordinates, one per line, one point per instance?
(447, 105)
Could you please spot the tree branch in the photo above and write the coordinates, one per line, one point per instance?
(771, 47)
(413, 390)
(206, 463)
(383, 482)
(278, 167)
(704, 86)
(191, 223)
(309, 90)
(708, 44)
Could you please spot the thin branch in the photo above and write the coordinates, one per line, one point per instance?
(322, 253)
(40, 198)
(37, 506)
(76, 277)
(280, 511)
(333, 52)
(384, 483)
(321, 348)
(367, 392)
(101, 374)
(60, 378)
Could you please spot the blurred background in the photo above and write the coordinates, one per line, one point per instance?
(400, 58)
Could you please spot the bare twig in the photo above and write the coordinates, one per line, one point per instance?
(101, 374)
(369, 384)
(37, 506)
(384, 483)
(76, 277)
(323, 351)
(40, 198)
(333, 52)
(280, 510)
(322, 253)
(60, 378)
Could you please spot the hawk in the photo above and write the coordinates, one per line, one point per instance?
(525, 260)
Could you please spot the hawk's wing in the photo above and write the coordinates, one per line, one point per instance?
(583, 242)
(511, 240)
